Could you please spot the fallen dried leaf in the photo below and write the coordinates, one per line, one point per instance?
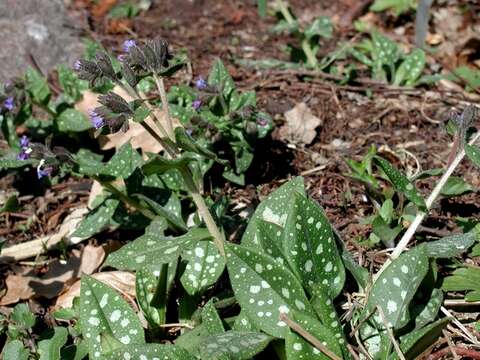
(102, 7)
(300, 126)
(122, 281)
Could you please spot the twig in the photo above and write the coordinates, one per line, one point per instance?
(450, 345)
(407, 236)
(352, 352)
(469, 353)
(307, 336)
(467, 333)
(390, 334)
(188, 326)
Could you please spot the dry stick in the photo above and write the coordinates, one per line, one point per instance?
(465, 331)
(403, 243)
(307, 336)
(390, 334)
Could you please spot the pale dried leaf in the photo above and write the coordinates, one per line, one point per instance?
(300, 125)
(122, 281)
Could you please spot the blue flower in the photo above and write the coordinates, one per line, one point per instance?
(96, 119)
(23, 155)
(201, 84)
(24, 141)
(197, 104)
(128, 44)
(77, 65)
(9, 103)
(42, 170)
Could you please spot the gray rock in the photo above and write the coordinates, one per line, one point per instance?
(39, 28)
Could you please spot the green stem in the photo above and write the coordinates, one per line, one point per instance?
(124, 198)
(163, 97)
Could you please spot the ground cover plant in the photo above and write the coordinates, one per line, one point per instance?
(188, 276)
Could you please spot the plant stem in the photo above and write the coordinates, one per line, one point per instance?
(403, 243)
(218, 238)
(127, 200)
(163, 97)
(307, 336)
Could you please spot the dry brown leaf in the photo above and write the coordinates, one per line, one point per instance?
(122, 281)
(21, 287)
(102, 7)
(300, 126)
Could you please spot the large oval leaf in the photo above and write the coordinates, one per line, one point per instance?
(107, 321)
(148, 352)
(264, 289)
(310, 247)
(234, 345)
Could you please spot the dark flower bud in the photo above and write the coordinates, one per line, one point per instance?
(152, 62)
(87, 70)
(105, 65)
(115, 103)
(162, 54)
(129, 75)
(137, 58)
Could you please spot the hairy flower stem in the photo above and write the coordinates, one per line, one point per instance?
(307, 49)
(163, 97)
(403, 243)
(218, 237)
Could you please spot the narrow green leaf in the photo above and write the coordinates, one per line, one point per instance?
(49, 349)
(395, 287)
(360, 273)
(204, 267)
(272, 209)
(462, 279)
(151, 249)
(321, 26)
(411, 68)
(220, 77)
(264, 288)
(37, 87)
(401, 183)
(426, 313)
(159, 164)
(96, 221)
(107, 321)
(455, 186)
(297, 348)
(148, 351)
(473, 153)
(451, 246)
(15, 350)
(173, 218)
(270, 236)
(236, 345)
(310, 247)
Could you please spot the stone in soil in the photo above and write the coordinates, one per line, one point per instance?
(41, 28)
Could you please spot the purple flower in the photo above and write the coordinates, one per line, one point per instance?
(77, 65)
(201, 84)
(42, 170)
(9, 103)
(197, 104)
(262, 122)
(96, 119)
(24, 141)
(121, 57)
(23, 155)
(128, 44)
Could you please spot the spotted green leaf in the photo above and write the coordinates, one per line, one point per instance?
(272, 209)
(401, 183)
(270, 236)
(123, 163)
(464, 279)
(385, 52)
(159, 164)
(151, 249)
(325, 310)
(15, 350)
(410, 69)
(310, 247)
(264, 288)
(220, 77)
(426, 313)
(211, 319)
(417, 341)
(204, 267)
(297, 348)
(243, 323)
(96, 221)
(107, 321)
(451, 246)
(148, 352)
(473, 153)
(395, 287)
(10, 161)
(152, 286)
(37, 87)
(72, 120)
(235, 345)
(49, 349)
